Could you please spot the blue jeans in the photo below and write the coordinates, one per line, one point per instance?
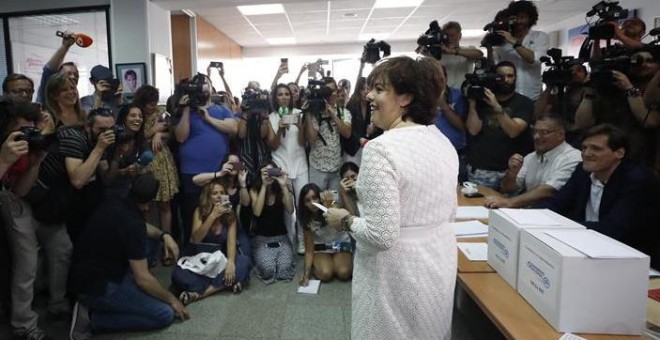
(126, 307)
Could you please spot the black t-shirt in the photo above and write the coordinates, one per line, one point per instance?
(271, 220)
(115, 234)
(492, 147)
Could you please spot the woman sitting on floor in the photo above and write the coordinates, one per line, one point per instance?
(214, 225)
(327, 250)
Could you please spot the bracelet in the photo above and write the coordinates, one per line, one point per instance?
(633, 92)
(163, 235)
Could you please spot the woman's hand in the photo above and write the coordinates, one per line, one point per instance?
(242, 178)
(157, 142)
(220, 209)
(282, 179)
(347, 184)
(226, 169)
(230, 274)
(304, 279)
(333, 217)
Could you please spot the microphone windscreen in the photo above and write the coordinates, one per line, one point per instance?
(84, 40)
(145, 158)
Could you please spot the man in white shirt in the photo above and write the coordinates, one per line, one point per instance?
(523, 47)
(542, 172)
(459, 60)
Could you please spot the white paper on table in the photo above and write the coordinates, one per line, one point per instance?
(654, 273)
(474, 251)
(471, 212)
(531, 216)
(593, 245)
(571, 336)
(470, 228)
(321, 207)
(312, 287)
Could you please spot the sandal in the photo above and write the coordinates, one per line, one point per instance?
(238, 287)
(187, 298)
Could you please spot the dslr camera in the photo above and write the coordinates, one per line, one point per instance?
(194, 88)
(560, 68)
(503, 22)
(479, 80)
(432, 39)
(255, 101)
(317, 94)
(372, 49)
(36, 140)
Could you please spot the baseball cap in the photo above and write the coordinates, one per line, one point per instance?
(100, 72)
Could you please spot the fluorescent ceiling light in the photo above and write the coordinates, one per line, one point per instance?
(364, 37)
(261, 9)
(397, 3)
(472, 33)
(281, 41)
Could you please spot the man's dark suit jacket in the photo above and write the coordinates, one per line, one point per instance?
(629, 208)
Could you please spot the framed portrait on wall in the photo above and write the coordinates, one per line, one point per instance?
(132, 76)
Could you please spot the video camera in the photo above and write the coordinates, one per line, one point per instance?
(194, 88)
(255, 101)
(560, 72)
(372, 50)
(36, 140)
(432, 39)
(607, 10)
(503, 22)
(479, 80)
(317, 95)
(601, 70)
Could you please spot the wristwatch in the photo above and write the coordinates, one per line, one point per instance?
(345, 225)
(633, 92)
(516, 44)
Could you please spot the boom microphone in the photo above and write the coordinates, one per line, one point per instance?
(82, 40)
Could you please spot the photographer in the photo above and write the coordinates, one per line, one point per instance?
(107, 91)
(616, 98)
(204, 130)
(496, 124)
(253, 130)
(451, 122)
(630, 35)
(458, 60)
(322, 132)
(523, 47)
(20, 160)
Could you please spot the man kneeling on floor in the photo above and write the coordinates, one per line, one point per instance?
(110, 271)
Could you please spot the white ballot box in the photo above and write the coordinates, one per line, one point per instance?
(504, 227)
(582, 281)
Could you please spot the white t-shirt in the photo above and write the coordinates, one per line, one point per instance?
(553, 168)
(528, 76)
(457, 67)
(290, 156)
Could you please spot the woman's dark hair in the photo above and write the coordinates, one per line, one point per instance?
(524, 6)
(304, 215)
(348, 166)
(257, 182)
(144, 95)
(273, 96)
(356, 98)
(616, 138)
(422, 79)
(297, 103)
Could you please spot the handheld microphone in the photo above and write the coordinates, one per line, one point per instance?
(82, 40)
(145, 158)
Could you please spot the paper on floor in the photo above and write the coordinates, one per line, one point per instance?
(312, 287)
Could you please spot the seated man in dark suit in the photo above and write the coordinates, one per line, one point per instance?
(610, 194)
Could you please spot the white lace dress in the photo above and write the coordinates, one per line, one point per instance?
(405, 264)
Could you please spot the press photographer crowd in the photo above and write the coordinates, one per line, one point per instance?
(221, 186)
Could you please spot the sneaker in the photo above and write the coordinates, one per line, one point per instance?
(33, 334)
(80, 324)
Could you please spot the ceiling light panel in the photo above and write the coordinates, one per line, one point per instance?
(261, 9)
(397, 3)
(281, 41)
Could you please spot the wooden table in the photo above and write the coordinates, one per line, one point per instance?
(509, 311)
(465, 265)
(476, 201)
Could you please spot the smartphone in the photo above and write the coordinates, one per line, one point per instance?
(285, 62)
(216, 64)
(114, 84)
(165, 117)
(473, 195)
(274, 172)
(224, 200)
(237, 166)
(335, 196)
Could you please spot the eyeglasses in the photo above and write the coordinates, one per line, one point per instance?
(22, 91)
(540, 132)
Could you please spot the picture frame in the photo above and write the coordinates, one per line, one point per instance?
(132, 76)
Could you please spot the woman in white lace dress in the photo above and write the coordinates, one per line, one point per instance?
(405, 263)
